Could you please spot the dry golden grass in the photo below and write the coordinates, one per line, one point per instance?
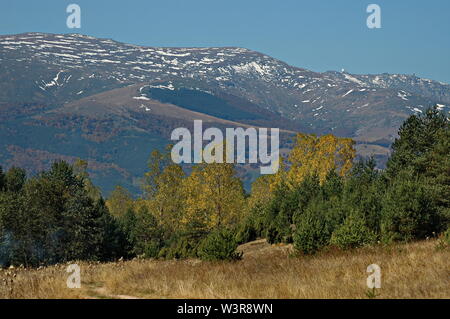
(415, 270)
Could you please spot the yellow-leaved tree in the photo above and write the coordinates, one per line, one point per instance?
(319, 155)
(261, 192)
(167, 203)
(214, 196)
(164, 193)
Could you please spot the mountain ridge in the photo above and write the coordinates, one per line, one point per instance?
(64, 87)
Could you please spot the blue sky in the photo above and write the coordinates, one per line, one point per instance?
(319, 35)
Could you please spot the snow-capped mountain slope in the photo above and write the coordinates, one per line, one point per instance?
(410, 83)
(53, 61)
(73, 94)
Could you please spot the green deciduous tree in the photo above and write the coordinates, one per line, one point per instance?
(15, 179)
(119, 201)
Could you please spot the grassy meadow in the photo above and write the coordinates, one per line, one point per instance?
(413, 270)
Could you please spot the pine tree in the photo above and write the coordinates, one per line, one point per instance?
(408, 209)
(422, 151)
(147, 235)
(80, 168)
(418, 137)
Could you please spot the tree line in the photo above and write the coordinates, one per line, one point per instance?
(320, 197)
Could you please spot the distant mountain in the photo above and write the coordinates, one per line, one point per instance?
(77, 96)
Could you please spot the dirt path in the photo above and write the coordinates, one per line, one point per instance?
(102, 293)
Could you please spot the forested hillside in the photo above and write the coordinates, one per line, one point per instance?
(321, 197)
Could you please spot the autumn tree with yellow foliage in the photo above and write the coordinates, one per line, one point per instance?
(276, 198)
(214, 196)
(311, 155)
(319, 155)
(190, 203)
(164, 196)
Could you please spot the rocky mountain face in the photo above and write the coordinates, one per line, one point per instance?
(111, 103)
